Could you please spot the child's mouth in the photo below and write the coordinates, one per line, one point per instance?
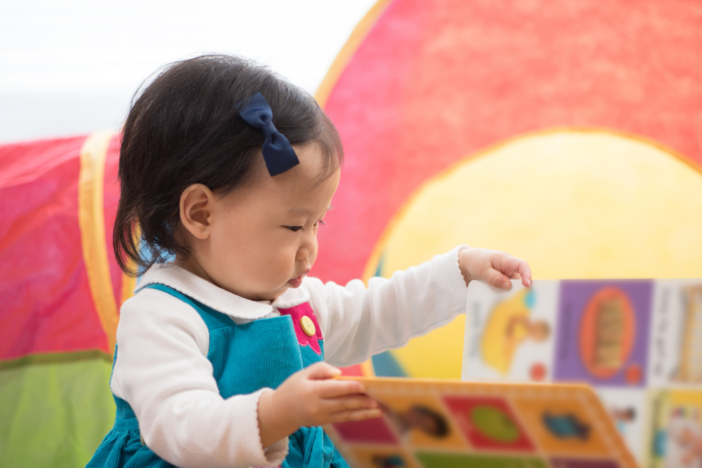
(296, 282)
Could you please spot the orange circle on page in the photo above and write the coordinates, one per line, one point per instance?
(607, 332)
(537, 372)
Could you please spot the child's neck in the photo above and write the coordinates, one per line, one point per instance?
(191, 264)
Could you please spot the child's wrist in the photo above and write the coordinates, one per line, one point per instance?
(272, 423)
(463, 263)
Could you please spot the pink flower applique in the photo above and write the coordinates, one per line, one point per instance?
(296, 313)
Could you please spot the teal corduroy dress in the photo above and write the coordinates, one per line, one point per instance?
(244, 358)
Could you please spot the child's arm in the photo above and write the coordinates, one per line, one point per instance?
(162, 371)
(358, 322)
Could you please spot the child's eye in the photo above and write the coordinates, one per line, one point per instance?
(294, 228)
(321, 221)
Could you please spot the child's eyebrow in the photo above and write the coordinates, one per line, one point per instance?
(307, 211)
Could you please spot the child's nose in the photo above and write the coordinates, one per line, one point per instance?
(308, 247)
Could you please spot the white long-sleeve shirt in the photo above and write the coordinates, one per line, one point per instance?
(162, 369)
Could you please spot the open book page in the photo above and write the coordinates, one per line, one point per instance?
(638, 343)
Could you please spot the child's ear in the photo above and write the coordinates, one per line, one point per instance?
(196, 209)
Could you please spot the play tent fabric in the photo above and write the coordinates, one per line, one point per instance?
(61, 289)
(567, 133)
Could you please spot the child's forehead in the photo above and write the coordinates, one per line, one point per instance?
(287, 195)
(303, 187)
(303, 197)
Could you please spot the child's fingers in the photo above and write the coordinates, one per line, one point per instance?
(348, 403)
(514, 268)
(339, 388)
(497, 279)
(321, 371)
(525, 273)
(354, 415)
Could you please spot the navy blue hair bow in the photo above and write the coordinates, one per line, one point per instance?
(277, 150)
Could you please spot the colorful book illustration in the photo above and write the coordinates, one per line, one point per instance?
(638, 343)
(451, 424)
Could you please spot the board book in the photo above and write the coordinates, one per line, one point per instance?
(637, 343)
(451, 424)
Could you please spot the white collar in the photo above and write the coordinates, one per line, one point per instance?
(215, 297)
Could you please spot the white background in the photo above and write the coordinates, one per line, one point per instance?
(71, 66)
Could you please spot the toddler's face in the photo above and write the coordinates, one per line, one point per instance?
(263, 237)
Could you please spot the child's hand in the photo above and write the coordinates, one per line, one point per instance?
(311, 397)
(493, 267)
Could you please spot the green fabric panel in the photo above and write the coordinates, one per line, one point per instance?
(54, 409)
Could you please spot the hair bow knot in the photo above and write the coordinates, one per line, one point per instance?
(278, 153)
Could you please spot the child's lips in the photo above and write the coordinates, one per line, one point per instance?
(296, 282)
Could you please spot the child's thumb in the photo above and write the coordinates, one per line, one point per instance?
(322, 370)
(497, 279)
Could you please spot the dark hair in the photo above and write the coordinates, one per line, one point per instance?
(183, 129)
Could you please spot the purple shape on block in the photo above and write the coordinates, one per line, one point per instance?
(369, 430)
(573, 299)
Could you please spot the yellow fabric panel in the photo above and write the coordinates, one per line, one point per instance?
(92, 227)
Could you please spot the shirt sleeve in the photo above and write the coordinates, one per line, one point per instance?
(358, 322)
(163, 373)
